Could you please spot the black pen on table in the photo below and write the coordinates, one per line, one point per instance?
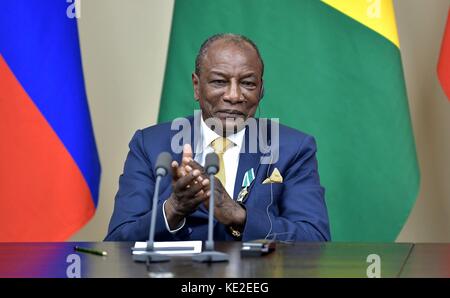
(91, 251)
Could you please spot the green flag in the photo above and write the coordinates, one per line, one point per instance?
(332, 70)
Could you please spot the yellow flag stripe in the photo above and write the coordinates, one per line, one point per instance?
(377, 15)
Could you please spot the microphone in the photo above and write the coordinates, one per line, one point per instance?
(209, 255)
(150, 255)
(212, 163)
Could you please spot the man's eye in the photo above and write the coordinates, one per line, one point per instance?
(248, 84)
(219, 82)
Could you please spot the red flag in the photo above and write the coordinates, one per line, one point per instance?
(49, 166)
(443, 68)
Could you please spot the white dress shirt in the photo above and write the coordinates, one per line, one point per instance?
(230, 159)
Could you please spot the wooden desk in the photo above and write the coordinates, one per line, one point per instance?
(428, 260)
(289, 260)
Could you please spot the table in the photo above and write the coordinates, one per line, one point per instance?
(288, 260)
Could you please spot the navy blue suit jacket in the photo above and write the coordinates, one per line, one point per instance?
(293, 210)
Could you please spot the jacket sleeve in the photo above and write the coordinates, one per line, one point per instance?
(301, 213)
(130, 220)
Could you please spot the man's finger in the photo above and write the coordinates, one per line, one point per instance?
(185, 181)
(192, 190)
(203, 195)
(195, 165)
(190, 169)
(204, 188)
(177, 171)
(174, 168)
(186, 160)
(187, 154)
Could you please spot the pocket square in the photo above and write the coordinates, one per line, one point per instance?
(275, 177)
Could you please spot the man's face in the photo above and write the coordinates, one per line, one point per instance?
(229, 85)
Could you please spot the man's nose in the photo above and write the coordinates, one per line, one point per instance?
(233, 93)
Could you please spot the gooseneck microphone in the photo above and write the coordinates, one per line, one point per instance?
(150, 255)
(209, 255)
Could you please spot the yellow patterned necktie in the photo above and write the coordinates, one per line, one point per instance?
(220, 145)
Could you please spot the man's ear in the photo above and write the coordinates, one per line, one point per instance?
(195, 84)
(261, 93)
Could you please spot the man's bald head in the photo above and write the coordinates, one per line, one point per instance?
(235, 39)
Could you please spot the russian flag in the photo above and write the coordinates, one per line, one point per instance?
(49, 166)
(443, 68)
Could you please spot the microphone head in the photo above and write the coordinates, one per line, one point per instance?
(212, 163)
(163, 164)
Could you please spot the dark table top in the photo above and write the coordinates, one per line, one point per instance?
(428, 260)
(288, 260)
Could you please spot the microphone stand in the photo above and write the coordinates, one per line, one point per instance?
(149, 254)
(209, 255)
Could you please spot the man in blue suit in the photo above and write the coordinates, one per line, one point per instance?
(272, 192)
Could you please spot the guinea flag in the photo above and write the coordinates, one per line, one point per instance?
(333, 70)
(49, 166)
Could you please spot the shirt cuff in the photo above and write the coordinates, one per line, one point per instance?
(167, 224)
